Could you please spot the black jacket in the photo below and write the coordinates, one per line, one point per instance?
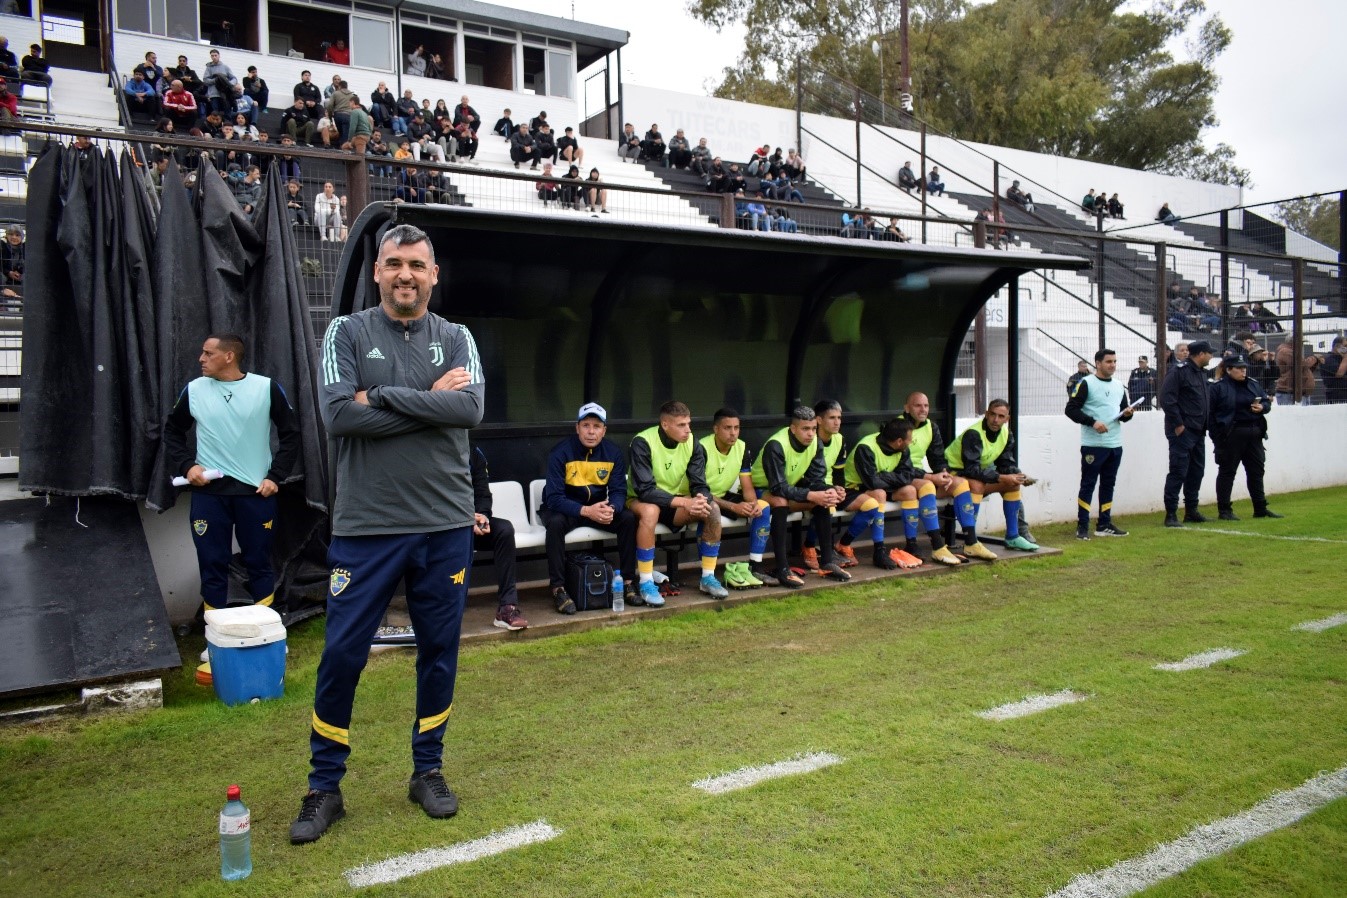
(481, 483)
(935, 453)
(309, 93)
(1185, 398)
(970, 453)
(873, 479)
(1230, 403)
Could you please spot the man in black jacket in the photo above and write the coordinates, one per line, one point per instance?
(497, 536)
(255, 86)
(1239, 408)
(307, 91)
(523, 147)
(1184, 397)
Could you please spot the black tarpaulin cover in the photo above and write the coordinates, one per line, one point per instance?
(118, 307)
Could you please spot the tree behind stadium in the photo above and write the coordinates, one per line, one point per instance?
(1086, 79)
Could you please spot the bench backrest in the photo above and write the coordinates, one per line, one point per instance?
(507, 501)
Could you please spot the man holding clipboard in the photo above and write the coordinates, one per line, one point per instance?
(1099, 405)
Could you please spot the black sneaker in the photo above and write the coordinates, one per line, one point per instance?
(563, 601)
(882, 560)
(1228, 516)
(1083, 532)
(1193, 516)
(1268, 513)
(319, 811)
(768, 578)
(833, 571)
(1172, 519)
(433, 794)
(1108, 529)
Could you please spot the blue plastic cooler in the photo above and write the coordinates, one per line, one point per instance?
(247, 653)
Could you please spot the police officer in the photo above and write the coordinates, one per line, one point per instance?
(1239, 408)
(1184, 397)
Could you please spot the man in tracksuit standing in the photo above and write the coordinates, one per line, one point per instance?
(1098, 404)
(400, 389)
(1185, 401)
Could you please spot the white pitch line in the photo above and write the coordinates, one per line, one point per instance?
(1292, 539)
(1327, 623)
(1171, 858)
(751, 776)
(1032, 705)
(1202, 659)
(405, 865)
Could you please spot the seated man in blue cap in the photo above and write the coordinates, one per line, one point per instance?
(587, 487)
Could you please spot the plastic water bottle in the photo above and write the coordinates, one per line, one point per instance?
(619, 600)
(236, 840)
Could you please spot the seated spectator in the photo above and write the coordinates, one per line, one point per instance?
(1165, 214)
(287, 166)
(1203, 312)
(587, 487)
(907, 178)
(524, 148)
(680, 152)
(211, 126)
(242, 105)
(549, 191)
(248, 192)
(413, 186)
(12, 253)
(220, 83)
(652, 147)
(190, 82)
(326, 132)
(162, 150)
(781, 221)
(985, 216)
(9, 63)
(464, 112)
(1017, 196)
(406, 108)
(893, 233)
(717, 177)
(571, 191)
(1267, 321)
(536, 123)
(256, 89)
(309, 93)
(421, 139)
(504, 126)
(568, 148)
(380, 155)
(861, 227)
(233, 153)
(442, 116)
(297, 124)
(9, 103)
(416, 62)
(793, 165)
(775, 163)
(629, 144)
(547, 145)
(297, 208)
(734, 179)
(751, 216)
(700, 161)
(1087, 203)
(782, 189)
(497, 536)
(1115, 207)
(152, 71)
(933, 182)
(34, 68)
(158, 165)
(401, 152)
(338, 53)
(1243, 319)
(327, 213)
(383, 106)
(179, 106)
(243, 130)
(595, 196)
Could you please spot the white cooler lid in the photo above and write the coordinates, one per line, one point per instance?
(244, 626)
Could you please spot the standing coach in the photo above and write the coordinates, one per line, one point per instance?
(1098, 404)
(401, 388)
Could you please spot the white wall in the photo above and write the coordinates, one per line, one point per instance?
(733, 130)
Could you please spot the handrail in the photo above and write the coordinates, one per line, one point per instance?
(1058, 342)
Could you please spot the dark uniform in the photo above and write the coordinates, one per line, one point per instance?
(1185, 401)
(1238, 433)
(500, 538)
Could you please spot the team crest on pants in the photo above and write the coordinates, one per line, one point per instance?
(1089, 459)
(199, 527)
(341, 578)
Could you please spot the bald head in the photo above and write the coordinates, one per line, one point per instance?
(918, 407)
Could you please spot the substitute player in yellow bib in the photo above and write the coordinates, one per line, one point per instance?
(985, 454)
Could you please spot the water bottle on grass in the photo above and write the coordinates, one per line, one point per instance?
(236, 841)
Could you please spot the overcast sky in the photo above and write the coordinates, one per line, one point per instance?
(1281, 99)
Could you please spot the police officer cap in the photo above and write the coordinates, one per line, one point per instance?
(1199, 346)
(1236, 361)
